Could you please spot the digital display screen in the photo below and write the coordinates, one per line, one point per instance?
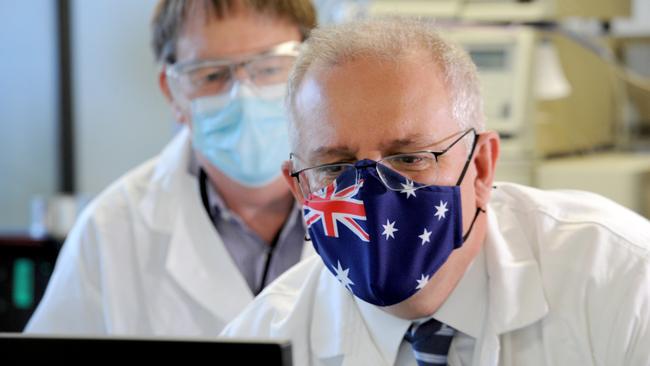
(495, 59)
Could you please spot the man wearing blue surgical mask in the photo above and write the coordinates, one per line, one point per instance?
(182, 243)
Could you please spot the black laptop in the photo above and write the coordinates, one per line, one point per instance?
(28, 349)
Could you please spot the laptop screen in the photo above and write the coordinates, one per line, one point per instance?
(28, 349)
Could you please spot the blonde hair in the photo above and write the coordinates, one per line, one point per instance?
(391, 39)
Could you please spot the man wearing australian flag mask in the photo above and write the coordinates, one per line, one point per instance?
(405, 226)
(423, 259)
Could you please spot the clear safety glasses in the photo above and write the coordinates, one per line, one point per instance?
(194, 79)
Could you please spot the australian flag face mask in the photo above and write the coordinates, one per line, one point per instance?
(383, 245)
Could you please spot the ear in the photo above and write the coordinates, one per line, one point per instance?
(163, 84)
(287, 168)
(486, 155)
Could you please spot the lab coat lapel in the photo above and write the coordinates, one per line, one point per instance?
(163, 188)
(337, 329)
(368, 353)
(516, 297)
(330, 328)
(196, 257)
(199, 261)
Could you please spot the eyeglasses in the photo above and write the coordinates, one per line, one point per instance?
(194, 79)
(400, 172)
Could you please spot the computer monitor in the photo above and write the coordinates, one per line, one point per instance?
(28, 349)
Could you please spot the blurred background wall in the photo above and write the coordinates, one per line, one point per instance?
(28, 107)
(119, 118)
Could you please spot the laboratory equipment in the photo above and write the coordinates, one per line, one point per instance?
(504, 10)
(544, 93)
(621, 177)
(26, 264)
(634, 53)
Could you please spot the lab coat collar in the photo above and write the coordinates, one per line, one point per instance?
(515, 293)
(333, 311)
(503, 282)
(196, 257)
(464, 309)
(162, 188)
(199, 261)
(337, 327)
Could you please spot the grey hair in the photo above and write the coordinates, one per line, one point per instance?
(390, 39)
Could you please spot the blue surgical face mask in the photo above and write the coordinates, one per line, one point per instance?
(243, 135)
(383, 245)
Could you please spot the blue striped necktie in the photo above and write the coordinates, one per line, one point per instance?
(430, 341)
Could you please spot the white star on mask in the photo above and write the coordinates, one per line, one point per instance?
(408, 188)
(425, 236)
(389, 229)
(422, 282)
(342, 276)
(441, 210)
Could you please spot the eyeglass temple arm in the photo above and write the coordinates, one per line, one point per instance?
(469, 158)
(295, 174)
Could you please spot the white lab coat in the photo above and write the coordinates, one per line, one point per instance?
(567, 282)
(145, 259)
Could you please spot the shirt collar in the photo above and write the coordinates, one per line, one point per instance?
(216, 203)
(386, 330)
(464, 311)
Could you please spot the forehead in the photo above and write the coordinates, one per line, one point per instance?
(369, 103)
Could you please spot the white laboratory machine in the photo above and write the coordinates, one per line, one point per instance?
(545, 94)
(555, 105)
(504, 10)
(621, 177)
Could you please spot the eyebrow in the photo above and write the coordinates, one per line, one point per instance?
(323, 152)
(416, 141)
(413, 142)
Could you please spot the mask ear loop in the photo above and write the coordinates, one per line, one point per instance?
(471, 226)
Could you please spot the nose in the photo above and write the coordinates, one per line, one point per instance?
(365, 163)
(238, 76)
(239, 72)
(374, 155)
